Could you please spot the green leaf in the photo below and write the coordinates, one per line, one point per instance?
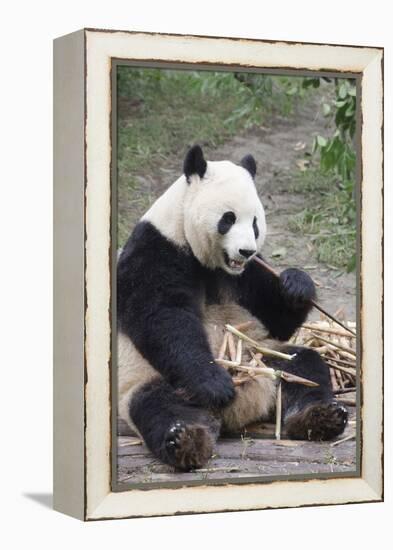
(321, 141)
(342, 91)
(350, 112)
(292, 90)
(326, 109)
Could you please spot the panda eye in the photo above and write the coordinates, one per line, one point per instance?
(229, 217)
(226, 222)
(255, 227)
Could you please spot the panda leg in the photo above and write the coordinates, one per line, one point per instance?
(311, 413)
(178, 433)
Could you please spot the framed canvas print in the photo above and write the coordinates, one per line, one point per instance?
(218, 274)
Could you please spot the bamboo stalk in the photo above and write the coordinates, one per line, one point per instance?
(267, 371)
(278, 411)
(289, 377)
(349, 402)
(238, 381)
(315, 304)
(339, 378)
(333, 380)
(345, 390)
(328, 330)
(231, 347)
(239, 350)
(337, 345)
(131, 443)
(224, 345)
(340, 368)
(227, 363)
(340, 361)
(250, 369)
(348, 438)
(264, 351)
(245, 325)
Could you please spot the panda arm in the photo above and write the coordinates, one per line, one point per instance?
(282, 304)
(157, 290)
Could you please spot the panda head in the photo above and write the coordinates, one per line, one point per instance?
(224, 220)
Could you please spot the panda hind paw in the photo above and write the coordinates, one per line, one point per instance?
(318, 422)
(188, 446)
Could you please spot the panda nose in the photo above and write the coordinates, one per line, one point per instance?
(246, 253)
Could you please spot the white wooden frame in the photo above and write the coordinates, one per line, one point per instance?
(82, 386)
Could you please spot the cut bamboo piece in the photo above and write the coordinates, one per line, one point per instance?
(269, 372)
(289, 377)
(340, 361)
(328, 330)
(278, 411)
(345, 390)
(231, 347)
(224, 345)
(264, 351)
(239, 350)
(336, 345)
(227, 363)
(333, 380)
(349, 402)
(347, 370)
(348, 438)
(244, 326)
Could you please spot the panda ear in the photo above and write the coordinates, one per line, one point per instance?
(248, 162)
(194, 163)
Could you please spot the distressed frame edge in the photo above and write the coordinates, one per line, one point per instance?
(69, 489)
(375, 494)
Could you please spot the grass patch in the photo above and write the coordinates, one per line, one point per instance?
(329, 218)
(163, 112)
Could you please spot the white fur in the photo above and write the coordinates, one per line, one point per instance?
(186, 208)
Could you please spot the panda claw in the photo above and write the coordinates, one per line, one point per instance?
(188, 446)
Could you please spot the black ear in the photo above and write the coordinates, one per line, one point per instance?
(248, 162)
(194, 163)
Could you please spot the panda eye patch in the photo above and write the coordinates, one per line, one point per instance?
(226, 222)
(255, 227)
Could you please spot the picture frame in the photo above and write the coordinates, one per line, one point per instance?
(84, 256)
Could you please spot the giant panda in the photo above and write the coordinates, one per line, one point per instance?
(185, 271)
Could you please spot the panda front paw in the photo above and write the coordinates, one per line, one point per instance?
(214, 390)
(297, 288)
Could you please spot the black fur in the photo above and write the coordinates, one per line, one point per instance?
(194, 163)
(159, 293)
(248, 162)
(310, 412)
(160, 289)
(281, 304)
(176, 431)
(226, 222)
(255, 228)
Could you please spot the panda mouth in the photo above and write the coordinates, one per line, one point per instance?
(236, 265)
